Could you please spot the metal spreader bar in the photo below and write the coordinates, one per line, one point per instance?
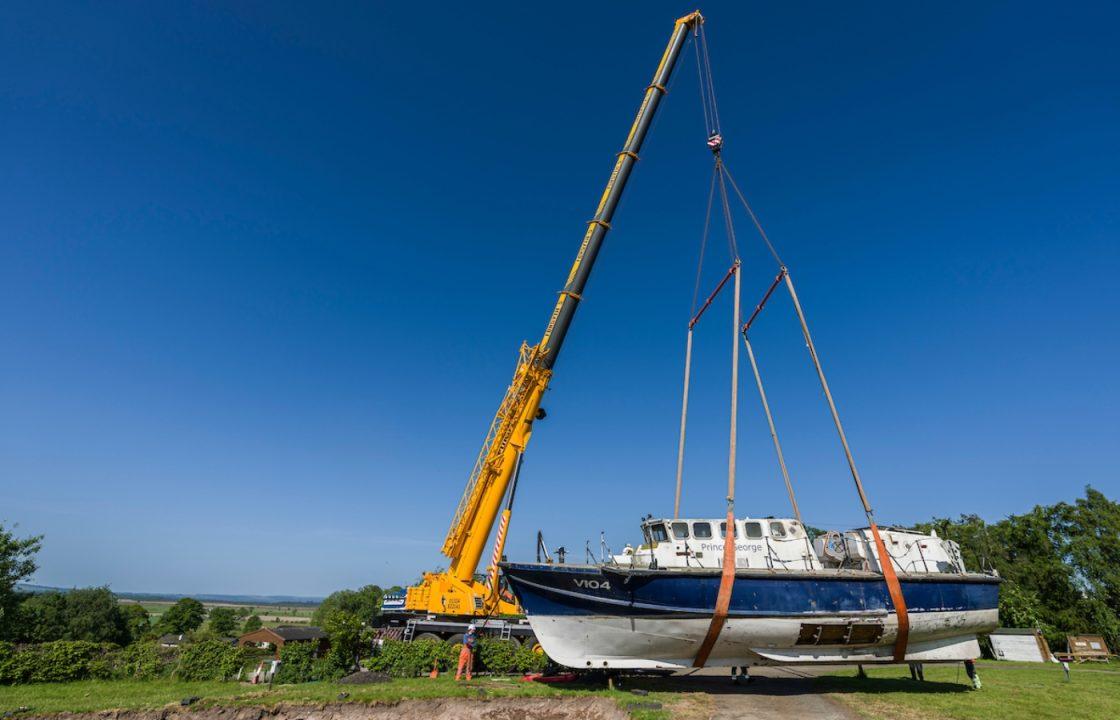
(762, 303)
(687, 378)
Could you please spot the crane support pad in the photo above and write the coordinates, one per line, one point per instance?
(723, 598)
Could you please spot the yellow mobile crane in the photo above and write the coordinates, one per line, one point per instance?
(443, 601)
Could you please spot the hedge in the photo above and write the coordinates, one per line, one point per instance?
(210, 660)
(404, 659)
(57, 661)
(147, 661)
(65, 660)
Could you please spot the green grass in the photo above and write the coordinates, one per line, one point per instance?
(94, 695)
(1010, 690)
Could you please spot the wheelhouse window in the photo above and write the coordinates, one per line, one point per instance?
(754, 529)
(659, 533)
(777, 530)
(680, 530)
(723, 529)
(701, 530)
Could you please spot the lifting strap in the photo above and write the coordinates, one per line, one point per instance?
(723, 599)
(774, 434)
(727, 577)
(765, 402)
(885, 561)
(684, 424)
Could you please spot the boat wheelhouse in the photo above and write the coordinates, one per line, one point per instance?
(783, 543)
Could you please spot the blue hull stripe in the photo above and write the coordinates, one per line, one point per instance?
(556, 590)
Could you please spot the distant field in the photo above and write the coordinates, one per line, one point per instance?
(271, 615)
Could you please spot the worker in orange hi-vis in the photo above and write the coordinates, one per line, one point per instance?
(466, 655)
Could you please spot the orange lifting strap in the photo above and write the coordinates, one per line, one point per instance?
(727, 577)
(895, 589)
(885, 562)
(723, 599)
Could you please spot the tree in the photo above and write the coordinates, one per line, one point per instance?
(94, 614)
(1019, 608)
(253, 622)
(345, 632)
(86, 614)
(17, 563)
(1060, 563)
(137, 620)
(365, 603)
(1092, 526)
(45, 618)
(182, 617)
(223, 621)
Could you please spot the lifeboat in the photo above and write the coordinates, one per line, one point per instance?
(794, 599)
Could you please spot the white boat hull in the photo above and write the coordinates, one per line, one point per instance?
(664, 643)
(589, 617)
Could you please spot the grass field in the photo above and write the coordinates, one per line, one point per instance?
(95, 696)
(1011, 690)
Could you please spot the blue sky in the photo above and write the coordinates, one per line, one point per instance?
(264, 271)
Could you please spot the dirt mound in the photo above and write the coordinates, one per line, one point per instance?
(582, 708)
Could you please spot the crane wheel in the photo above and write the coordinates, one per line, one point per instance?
(455, 641)
(534, 645)
(427, 636)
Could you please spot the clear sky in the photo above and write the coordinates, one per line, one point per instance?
(264, 270)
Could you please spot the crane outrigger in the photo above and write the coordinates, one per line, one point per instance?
(457, 592)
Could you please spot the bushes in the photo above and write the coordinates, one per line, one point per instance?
(298, 664)
(528, 661)
(65, 660)
(497, 656)
(209, 660)
(7, 653)
(402, 659)
(146, 661)
(57, 661)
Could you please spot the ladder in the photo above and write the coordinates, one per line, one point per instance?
(409, 630)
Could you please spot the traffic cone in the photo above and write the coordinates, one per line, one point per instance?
(435, 670)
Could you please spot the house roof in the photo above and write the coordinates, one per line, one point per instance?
(170, 639)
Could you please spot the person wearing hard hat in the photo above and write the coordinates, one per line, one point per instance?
(466, 655)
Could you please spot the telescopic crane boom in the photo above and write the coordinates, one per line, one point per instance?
(456, 591)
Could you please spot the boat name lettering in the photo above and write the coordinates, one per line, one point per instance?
(594, 584)
(739, 547)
